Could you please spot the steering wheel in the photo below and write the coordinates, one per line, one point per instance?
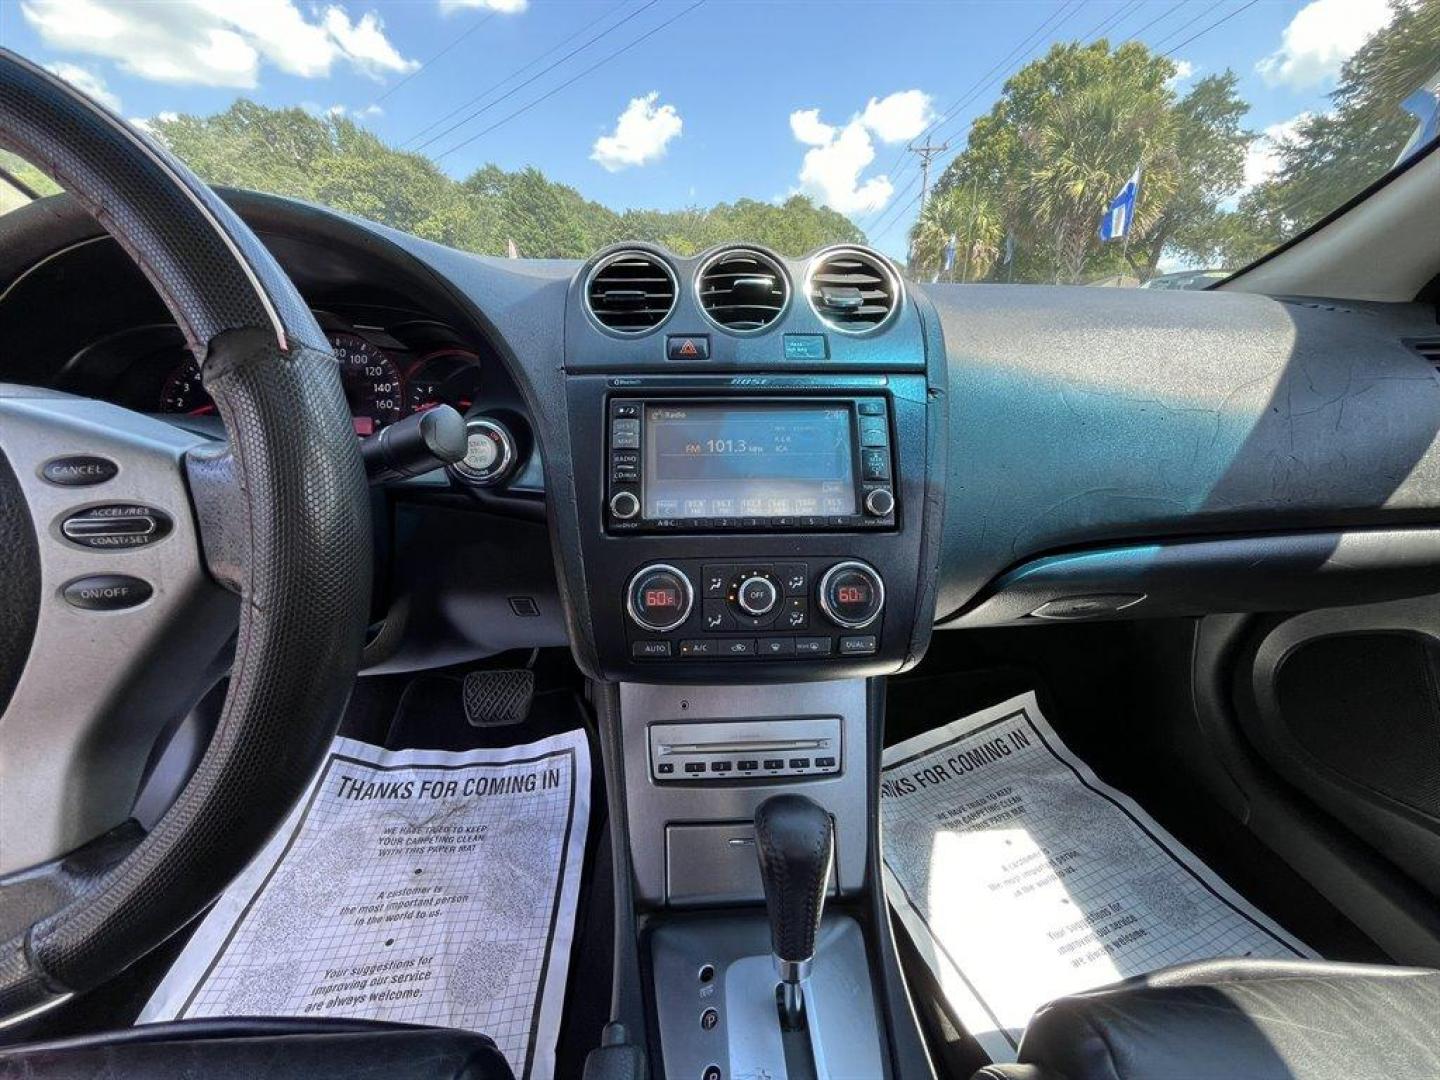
(279, 517)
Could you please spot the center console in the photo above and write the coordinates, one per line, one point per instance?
(752, 540)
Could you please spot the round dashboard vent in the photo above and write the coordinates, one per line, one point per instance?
(853, 290)
(631, 292)
(742, 290)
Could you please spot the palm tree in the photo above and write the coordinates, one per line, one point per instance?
(1087, 144)
(972, 220)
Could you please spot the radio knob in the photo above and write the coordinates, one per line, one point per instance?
(852, 594)
(624, 505)
(757, 595)
(659, 598)
(880, 502)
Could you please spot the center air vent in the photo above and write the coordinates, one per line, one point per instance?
(631, 292)
(742, 290)
(853, 290)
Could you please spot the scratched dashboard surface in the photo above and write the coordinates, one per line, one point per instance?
(1082, 416)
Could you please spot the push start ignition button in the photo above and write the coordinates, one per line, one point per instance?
(116, 525)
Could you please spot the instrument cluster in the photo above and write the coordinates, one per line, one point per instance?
(388, 373)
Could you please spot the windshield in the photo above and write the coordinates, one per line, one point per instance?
(1105, 142)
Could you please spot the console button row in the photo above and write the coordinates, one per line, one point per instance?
(792, 766)
(771, 648)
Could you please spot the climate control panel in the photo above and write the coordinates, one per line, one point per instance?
(768, 609)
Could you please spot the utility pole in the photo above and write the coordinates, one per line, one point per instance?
(928, 153)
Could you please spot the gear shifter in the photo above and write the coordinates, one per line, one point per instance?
(796, 845)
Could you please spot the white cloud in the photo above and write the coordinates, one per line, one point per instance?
(1320, 38)
(806, 125)
(87, 82)
(216, 42)
(1184, 69)
(837, 156)
(1262, 157)
(505, 7)
(898, 117)
(641, 134)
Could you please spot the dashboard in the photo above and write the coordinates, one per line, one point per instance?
(743, 466)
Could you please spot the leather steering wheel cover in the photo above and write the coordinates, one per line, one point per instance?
(208, 267)
(302, 498)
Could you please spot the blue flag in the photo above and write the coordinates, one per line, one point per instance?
(1120, 214)
(950, 254)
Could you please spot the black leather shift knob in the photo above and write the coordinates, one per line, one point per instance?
(796, 845)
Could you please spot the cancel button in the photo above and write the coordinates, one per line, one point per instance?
(106, 592)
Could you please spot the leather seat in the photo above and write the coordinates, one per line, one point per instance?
(1250, 1019)
(312, 1049)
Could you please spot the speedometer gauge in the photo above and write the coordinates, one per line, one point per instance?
(371, 380)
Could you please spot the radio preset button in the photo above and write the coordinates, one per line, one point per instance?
(852, 594)
(880, 502)
(757, 595)
(659, 598)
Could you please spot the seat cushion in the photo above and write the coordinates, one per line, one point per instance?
(305, 1049)
(1256, 1019)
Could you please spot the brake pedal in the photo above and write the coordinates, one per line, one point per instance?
(498, 698)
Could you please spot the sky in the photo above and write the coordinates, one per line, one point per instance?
(671, 103)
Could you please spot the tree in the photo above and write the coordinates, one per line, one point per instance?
(1333, 155)
(970, 219)
(1067, 131)
(1088, 144)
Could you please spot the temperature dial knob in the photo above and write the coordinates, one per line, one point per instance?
(852, 594)
(659, 598)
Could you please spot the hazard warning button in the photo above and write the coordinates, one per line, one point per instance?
(687, 347)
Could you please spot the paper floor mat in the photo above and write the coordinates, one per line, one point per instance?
(1021, 877)
(420, 886)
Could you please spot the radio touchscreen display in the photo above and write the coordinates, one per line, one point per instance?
(722, 461)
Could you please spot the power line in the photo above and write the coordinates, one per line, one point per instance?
(435, 56)
(1159, 18)
(1110, 20)
(570, 81)
(894, 220)
(1181, 28)
(1024, 43)
(1212, 26)
(516, 89)
(1006, 73)
(895, 208)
